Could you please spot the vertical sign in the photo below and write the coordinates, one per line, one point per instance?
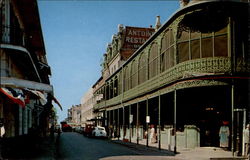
(131, 118)
(147, 119)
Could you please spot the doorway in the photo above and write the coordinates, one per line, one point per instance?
(206, 108)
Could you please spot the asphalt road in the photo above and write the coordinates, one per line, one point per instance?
(74, 146)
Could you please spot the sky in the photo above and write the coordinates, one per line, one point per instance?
(76, 34)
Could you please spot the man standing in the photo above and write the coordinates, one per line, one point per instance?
(246, 140)
(224, 135)
(2, 132)
(152, 134)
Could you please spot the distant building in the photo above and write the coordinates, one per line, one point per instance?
(87, 104)
(74, 115)
(69, 115)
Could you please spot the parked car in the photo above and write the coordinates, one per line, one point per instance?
(99, 132)
(88, 130)
(78, 129)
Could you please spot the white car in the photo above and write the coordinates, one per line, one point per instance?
(99, 132)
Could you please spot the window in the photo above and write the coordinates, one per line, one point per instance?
(167, 51)
(220, 46)
(134, 74)
(126, 78)
(153, 60)
(183, 50)
(207, 47)
(142, 68)
(164, 51)
(195, 45)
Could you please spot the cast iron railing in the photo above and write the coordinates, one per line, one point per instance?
(12, 35)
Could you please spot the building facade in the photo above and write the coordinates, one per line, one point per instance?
(74, 116)
(25, 93)
(185, 81)
(87, 104)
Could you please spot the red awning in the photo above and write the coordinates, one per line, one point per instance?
(15, 95)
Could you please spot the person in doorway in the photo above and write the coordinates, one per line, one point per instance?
(246, 140)
(2, 132)
(224, 135)
(152, 134)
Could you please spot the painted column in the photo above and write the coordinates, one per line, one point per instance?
(118, 124)
(159, 121)
(123, 122)
(146, 121)
(25, 120)
(175, 136)
(109, 124)
(20, 132)
(129, 124)
(137, 122)
(113, 124)
(232, 124)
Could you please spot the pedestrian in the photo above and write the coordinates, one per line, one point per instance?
(2, 132)
(224, 135)
(52, 130)
(246, 140)
(59, 131)
(152, 134)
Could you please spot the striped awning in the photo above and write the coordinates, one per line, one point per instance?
(14, 94)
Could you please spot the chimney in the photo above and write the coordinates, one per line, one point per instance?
(158, 23)
(183, 3)
(120, 28)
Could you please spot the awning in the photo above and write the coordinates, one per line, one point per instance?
(57, 102)
(14, 94)
(42, 96)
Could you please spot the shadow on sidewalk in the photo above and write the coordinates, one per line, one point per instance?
(27, 147)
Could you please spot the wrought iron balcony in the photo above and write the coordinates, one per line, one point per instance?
(12, 35)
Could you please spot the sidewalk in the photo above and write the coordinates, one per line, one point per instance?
(24, 147)
(199, 153)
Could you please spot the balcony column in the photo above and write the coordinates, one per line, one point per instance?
(113, 124)
(175, 136)
(109, 114)
(147, 121)
(130, 123)
(113, 88)
(232, 123)
(123, 121)
(20, 126)
(159, 121)
(137, 122)
(118, 124)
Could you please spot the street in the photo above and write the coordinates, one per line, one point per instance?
(75, 146)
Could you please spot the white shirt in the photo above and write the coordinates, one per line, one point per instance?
(2, 131)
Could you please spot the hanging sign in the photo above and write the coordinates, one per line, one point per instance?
(147, 119)
(131, 118)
